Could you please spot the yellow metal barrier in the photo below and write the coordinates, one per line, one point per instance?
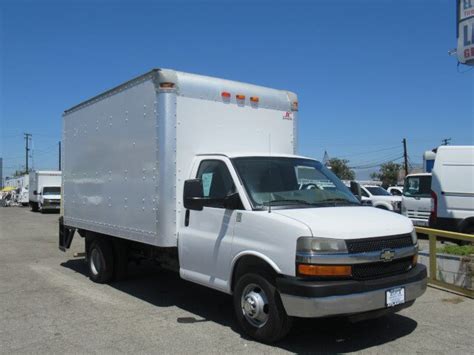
(433, 234)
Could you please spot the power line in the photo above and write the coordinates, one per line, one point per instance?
(374, 165)
(369, 152)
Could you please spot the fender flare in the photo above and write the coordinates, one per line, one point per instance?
(256, 254)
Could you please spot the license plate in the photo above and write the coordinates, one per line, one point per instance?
(395, 296)
(420, 223)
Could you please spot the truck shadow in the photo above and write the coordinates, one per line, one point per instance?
(163, 288)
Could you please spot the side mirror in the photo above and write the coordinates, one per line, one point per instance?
(35, 192)
(193, 195)
(355, 189)
(233, 202)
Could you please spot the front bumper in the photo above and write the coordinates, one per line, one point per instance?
(51, 205)
(313, 299)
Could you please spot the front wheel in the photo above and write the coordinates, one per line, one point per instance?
(259, 309)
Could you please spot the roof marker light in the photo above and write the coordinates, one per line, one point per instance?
(225, 94)
(294, 106)
(240, 97)
(167, 85)
(254, 98)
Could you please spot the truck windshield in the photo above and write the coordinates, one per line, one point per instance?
(51, 190)
(291, 182)
(417, 186)
(378, 191)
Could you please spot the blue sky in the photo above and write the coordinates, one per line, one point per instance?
(368, 73)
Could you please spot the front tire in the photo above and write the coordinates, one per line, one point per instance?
(259, 309)
(100, 260)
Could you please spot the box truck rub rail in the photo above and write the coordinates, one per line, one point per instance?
(201, 175)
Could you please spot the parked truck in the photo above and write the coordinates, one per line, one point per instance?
(416, 198)
(44, 190)
(201, 175)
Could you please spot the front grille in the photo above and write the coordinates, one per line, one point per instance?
(376, 244)
(381, 269)
(425, 215)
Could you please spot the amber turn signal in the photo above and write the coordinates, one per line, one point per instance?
(324, 270)
(166, 85)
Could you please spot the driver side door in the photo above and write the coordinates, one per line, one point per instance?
(205, 238)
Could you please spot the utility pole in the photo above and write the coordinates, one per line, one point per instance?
(445, 141)
(27, 149)
(59, 156)
(405, 155)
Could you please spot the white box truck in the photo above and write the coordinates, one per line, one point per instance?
(200, 174)
(45, 190)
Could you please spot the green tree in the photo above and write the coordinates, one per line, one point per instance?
(388, 174)
(341, 169)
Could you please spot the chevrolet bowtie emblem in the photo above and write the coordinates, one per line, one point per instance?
(387, 255)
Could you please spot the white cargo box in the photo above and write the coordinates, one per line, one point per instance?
(127, 152)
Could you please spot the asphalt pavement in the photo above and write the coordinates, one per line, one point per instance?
(48, 305)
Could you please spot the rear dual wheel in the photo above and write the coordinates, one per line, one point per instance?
(100, 260)
(259, 309)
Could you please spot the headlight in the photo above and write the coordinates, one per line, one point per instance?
(414, 237)
(320, 245)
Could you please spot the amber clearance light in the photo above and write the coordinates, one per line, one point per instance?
(324, 270)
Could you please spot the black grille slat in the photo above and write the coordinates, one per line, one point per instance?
(381, 269)
(378, 244)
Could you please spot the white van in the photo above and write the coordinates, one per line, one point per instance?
(452, 186)
(416, 198)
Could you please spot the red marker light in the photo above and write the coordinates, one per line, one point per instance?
(254, 98)
(240, 97)
(225, 94)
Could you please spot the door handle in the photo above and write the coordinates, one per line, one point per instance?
(186, 218)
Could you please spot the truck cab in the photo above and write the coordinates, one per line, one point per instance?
(256, 225)
(49, 198)
(416, 198)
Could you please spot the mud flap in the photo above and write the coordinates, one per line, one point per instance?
(65, 235)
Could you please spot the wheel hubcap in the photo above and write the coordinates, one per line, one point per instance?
(254, 303)
(95, 261)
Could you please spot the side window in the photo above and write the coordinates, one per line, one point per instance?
(363, 192)
(216, 181)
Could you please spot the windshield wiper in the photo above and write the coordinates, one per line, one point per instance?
(331, 200)
(268, 203)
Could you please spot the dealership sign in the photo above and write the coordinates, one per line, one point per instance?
(465, 20)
